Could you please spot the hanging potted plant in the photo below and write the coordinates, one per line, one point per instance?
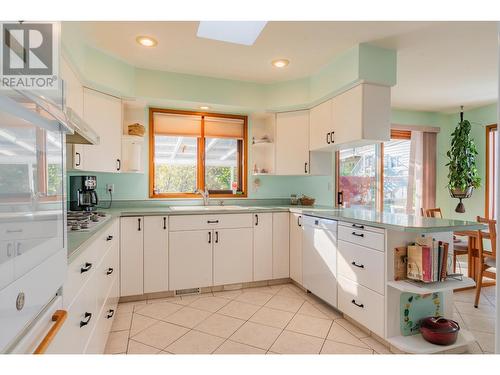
(463, 176)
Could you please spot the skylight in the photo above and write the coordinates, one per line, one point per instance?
(238, 32)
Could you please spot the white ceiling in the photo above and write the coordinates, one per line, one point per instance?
(441, 65)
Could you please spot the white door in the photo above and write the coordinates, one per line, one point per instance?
(263, 246)
(296, 235)
(104, 114)
(131, 256)
(190, 259)
(281, 248)
(155, 254)
(320, 258)
(232, 256)
(292, 143)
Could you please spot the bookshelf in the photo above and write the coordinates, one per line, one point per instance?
(427, 288)
(416, 344)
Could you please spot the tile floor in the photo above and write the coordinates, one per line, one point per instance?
(278, 319)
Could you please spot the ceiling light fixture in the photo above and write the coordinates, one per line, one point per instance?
(146, 41)
(205, 107)
(281, 63)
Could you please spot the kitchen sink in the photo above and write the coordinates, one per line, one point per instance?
(208, 208)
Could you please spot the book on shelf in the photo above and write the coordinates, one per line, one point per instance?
(427, 260)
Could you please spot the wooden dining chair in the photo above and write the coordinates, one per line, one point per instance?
(459, 248)
(486, 258)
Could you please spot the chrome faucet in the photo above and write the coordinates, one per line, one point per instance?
(205, 195)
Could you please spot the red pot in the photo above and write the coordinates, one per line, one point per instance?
(439, 331)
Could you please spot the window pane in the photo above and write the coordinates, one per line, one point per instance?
(396, 168)
(221, 164)
(357, 176)
(175, 164)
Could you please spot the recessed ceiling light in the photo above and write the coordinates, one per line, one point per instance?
(281, 63)
(146, 41)
(239, 32)
(205, 107)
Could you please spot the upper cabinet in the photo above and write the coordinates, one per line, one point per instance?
(359, 115)
(292, 143)
(104, 113)
(73, 89)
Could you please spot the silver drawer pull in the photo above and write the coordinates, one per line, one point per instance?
(357, 304)
(358, 234)
(357, 265)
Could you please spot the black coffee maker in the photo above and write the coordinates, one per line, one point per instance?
(82, 193)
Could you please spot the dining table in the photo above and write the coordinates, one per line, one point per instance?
(472, 237)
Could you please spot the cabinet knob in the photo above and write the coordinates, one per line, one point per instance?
(328, 138)
(79, 162)
(109, 271)
(86, 267)
(357, 265)
(139, 224)
(111, 312)
(118, 164)
(109, 238)
(86, 319)
(305, 167)
(164, 223)
(256, 219)
(358, 234)
(216, 237)
(357, 304)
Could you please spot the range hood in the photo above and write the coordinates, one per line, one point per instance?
(83, 133)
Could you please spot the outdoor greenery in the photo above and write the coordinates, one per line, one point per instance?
(218, 178)
(175, 178)
(463, 172)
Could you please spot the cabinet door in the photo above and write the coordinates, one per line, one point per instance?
(131, 256)
(232, 256)
(263, 247)
(296, 231)
(281, 249)
(292, 143)
(104, 114)
(155, 254)
(347, 114)
(190, 259)
(320, 126)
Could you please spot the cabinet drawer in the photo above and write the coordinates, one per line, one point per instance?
(195, 222)
(362, 236)
(361, 304)
(107, 273)
(362, 265)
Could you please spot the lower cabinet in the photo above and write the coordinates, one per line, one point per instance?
(190, 259)
(263, 246)
(232, 256)
(296, 234)
(155, 254)
(281, 245)
(131, 256)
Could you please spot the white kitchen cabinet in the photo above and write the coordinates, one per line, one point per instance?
(263, 246)
(296, 234)
(131, 256)
(321, 126)
(281, 249)
(292, 143)
(232, 256)
(104, 114)
(155, 254)
(190, 259)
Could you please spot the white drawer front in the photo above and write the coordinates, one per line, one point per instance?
(362, 237)
(107, 273)
(196, 222)
(361, 226)
(362, 265)
(361, 304)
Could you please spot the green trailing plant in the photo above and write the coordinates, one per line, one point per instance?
(462, 169)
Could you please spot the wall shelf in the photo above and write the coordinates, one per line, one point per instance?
(416, 344)
(426, 288)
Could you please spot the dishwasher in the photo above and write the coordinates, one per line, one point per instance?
(320, 258)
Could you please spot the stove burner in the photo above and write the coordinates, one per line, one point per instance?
(84, 220)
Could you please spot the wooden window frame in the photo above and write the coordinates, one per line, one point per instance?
(488, 178)
(379, 150)
(200, 167)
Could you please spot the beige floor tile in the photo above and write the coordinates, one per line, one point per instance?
(240, 310)
(255, 298)
(465, 295)
(220, 325)
(289, 304)
(160, 334)
(340, 334)
(376, 345)
(309, 325)
(188, 317)
(129, 306)
(122, 321)
(333, 347)
(356, 331)
(211, 304)
(261, 289)
(159, 310)
(186, 300)
(329, 311)
(164, 352)
(229, 294)
(257, 335)
(135, 347)
(140, 322)
(195, 342)
(292, 291)
(312, 310)
(479, 323)
(272, 317)
(117, 342)
(164, 299)
(474, 348)
(296, 343)
(483, 309)
(485, 340)
(458, 318)
(232, 347)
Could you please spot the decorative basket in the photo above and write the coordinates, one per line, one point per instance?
(136, 129)
(307, 201)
